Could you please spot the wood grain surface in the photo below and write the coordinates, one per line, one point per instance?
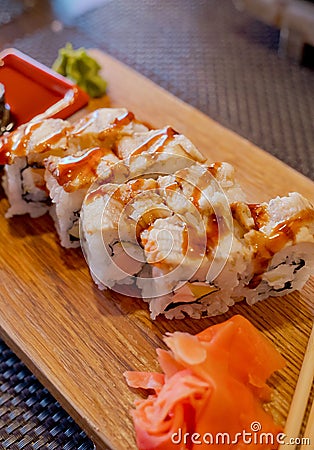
(77, 340)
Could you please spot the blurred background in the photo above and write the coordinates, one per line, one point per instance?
(248, 64)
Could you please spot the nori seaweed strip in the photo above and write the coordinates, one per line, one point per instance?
(174, 305)
(288, 285)
(26, 196)
(197, 301)
(111, 247)
(299, 264)
(72, 237)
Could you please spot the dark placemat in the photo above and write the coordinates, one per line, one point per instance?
(43, 44)
(221, 61)
(206, 52)
(30, 418)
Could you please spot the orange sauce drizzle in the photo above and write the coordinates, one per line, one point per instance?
(266, 246)
(96, 193)
(185, 241)
(172, 186)
(214, 168)
(259, 214)
(164, 136)
(145, 222)
(202, 182)
(41, 182)
(118, 122)
(196, 195)
(5, 151)
(15, 144)
(50, 141)
(123, 194)
(79, 169)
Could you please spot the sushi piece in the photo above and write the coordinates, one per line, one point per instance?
(104, 127)
(24, 151)
(251, 261)
(154, 153)
(200, 246)
(212, 386)
(207, 250)
(113, 217)
(282, 239)
(69, 178)
(155, 142)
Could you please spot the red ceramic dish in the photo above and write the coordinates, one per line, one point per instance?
(31, 88)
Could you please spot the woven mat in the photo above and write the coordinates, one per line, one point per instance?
(30, 418)
(221, 61)
(205, 52)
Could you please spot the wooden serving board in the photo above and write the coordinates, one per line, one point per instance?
(77, 340)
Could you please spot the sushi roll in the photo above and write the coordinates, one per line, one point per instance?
(282, 239)
(209, 259)
(154, 153)
(104, 127)
(113, 217)
(69, 178)
(172, 243)
(165, 140)
(25, 150)
(190, 245)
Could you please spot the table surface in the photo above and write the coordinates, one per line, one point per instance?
(219, 60)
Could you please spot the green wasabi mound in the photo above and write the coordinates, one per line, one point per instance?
(80, 68)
